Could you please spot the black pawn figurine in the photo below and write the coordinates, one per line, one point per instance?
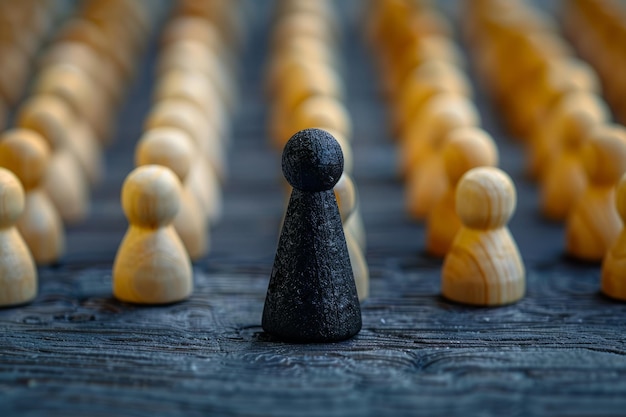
(312, 296)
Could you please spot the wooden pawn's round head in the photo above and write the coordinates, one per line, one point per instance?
(485, 198)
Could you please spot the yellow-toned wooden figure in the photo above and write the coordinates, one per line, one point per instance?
(426, 182)
(574, 114)
(466, 148)
(173, 149)
(64, 182)
(484, 266)
(299, 60)
(193, 56)
(614, 264)
(26, 154)
(593, 225)
(185, 28)
(441, 113)
(203, 177)
(345, 192)
(86, 99)
(198, 90)
(326, 112)
(563, 178)
(18, 275)
(151, 265)
(423, 82)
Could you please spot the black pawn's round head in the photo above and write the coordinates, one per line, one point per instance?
(312, 160)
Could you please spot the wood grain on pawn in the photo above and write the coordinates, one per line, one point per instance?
(484, 266)
(26, 154)
(466, 148)
(63, 181)
(614, 263)
(593, 225)
(173, 149)
(18, 275)
(151, 265)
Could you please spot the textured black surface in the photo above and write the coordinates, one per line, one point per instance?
(560, 351)
(311, 297)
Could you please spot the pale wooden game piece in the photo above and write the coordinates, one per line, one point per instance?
(26, 154)
(88, 60)
(193, 56)
(173, 149)
(302, 54)
(180, 113)
(423, 82)
(197, 89)
(323, 111)
(614, 264)
(151, 265)
(442, 113)
(593, 225)
(18, 275)
(63, 181)
(466, 148)
(574, 114)
(345, 192)
(483, 266)
(203, 178)
(73, 85)
(426, 182)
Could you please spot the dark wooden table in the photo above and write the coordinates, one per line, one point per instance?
(77, 351)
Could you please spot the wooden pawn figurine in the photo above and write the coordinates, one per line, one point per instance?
(467, 148)
(203, 178)
(18, 275)
(26, 154)
(312, 297)
(173, 149)
(613, 281)
(151, 265)
(593, 225)
(484, 266)
(345, 192)
(64, 181)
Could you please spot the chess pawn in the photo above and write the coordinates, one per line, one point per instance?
(467, 148)
(64, 182)
(345, 193)
(593, 224)
(151, 265)
(614, 264)
(311, 297)
(18, 275)
(483, 266)
(26, 154)
(173, 149)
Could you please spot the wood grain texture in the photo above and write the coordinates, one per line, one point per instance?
(77, 351)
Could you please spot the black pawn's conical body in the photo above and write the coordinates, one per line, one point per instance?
(312, 295)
